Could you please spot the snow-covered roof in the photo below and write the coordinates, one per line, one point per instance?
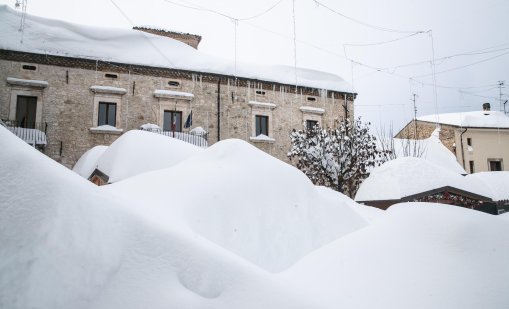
(59, 38)
(407, 176)
(88, 161)
(430, 149)
(475, 119)
(497, 182)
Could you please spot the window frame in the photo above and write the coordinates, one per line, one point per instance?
(107, 116)
(179, 123)
(308, 121)
(259, 129)
(500, 162)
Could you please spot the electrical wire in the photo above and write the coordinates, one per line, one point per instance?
(142, 33)
(362, 22)
(464, 66)
(203, 9)
(384, 42)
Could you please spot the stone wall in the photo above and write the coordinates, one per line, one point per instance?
(425, 129)
(68, 103)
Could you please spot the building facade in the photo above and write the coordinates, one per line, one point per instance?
(82, 102)
(479, 139)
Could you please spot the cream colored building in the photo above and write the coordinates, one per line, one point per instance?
(85, 86)
(479, 139)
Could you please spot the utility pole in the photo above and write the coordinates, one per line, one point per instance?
(500, 86)
(415, 116)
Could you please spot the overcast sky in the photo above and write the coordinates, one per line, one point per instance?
(479, 29)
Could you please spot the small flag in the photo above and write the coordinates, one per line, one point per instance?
(189, 121)
(174, 123)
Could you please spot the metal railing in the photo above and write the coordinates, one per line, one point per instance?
(199, 139)
(34, 133)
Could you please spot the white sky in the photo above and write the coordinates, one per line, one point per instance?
(459, 26)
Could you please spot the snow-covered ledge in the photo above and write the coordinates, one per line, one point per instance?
(27, 82)
(262, 139)
(106, 129)
(108, 89)
(312, 110)
(171, 94)
(262, 104)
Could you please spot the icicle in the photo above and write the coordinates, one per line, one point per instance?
(248, 90)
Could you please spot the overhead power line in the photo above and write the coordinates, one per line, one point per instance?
(362, 22)
(464, 66)
(193, 6)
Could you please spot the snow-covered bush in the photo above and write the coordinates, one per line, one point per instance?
(339, 158)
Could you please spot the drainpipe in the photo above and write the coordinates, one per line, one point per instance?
(219, 109)
(463, 150)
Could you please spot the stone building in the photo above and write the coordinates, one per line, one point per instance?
(478, 139)
(84, 86)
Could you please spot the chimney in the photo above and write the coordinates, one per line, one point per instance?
(192, 40)
(486, 107)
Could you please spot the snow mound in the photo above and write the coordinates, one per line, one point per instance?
(420, 256)
(430, 149)
(88, 161)
(407, 176)
(245, 201)
(498, 182)
(59, 38)
(65, 244)
(139, 151)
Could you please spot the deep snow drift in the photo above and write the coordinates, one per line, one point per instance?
(66, 244)
(137, 152)
(244, 200)
(418, 256)
(150, 241)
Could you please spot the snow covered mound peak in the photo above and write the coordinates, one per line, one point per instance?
(406, 176)
(138, 151)
(244, 200)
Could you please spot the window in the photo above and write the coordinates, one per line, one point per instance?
(172, 121)
(469, 141)
(26, 108)
(495, 164)
(311, 99)
(107, 114)
(173, 83)
(472, 170)
(111, 75)
(262, 125)
(259, 92)
(310, 124)
(29, 67)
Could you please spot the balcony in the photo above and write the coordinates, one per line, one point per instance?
(34, 133)
(196, 137)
